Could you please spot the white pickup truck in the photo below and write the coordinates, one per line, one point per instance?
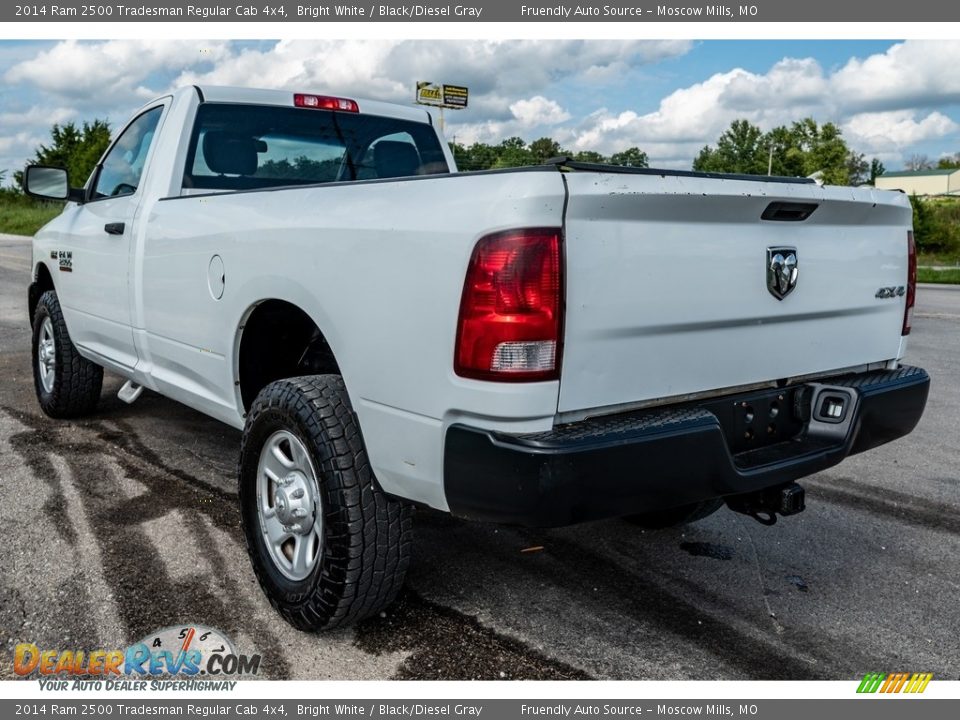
(538, 346)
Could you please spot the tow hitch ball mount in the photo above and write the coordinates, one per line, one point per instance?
(764, 505)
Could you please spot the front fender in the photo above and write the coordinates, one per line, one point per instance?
(42, 281)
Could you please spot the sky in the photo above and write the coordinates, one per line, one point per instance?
(892, 99)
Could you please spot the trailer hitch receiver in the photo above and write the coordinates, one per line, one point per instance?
(764, 505)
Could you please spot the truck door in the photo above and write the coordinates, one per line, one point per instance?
(95, 294)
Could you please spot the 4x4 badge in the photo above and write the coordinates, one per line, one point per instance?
(782, 271)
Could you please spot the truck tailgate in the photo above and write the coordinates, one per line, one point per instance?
(667, 288)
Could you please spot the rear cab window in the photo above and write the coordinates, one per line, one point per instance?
(248, 147)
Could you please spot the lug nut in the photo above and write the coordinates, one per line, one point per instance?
(300, 513)
(297, 494)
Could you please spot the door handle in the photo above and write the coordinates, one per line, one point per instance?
(114, 228)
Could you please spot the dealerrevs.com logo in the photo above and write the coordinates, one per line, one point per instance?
(201, 658)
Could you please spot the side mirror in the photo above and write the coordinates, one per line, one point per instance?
(48, 183)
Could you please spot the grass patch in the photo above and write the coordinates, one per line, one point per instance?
(950, 277)
(25, 218)
(938, 259)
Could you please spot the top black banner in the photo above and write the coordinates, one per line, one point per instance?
(633, 11)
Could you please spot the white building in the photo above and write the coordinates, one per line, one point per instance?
(922, 182)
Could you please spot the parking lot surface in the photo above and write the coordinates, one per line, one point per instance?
(126, 522)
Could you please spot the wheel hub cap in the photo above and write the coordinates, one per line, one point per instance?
(289, 505)
(293, 504)
(46, 355)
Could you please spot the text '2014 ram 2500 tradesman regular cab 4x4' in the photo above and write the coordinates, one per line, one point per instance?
(537, 346)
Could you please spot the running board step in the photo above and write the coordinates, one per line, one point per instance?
(130, 392)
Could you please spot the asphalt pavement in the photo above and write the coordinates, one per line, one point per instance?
(127, 521)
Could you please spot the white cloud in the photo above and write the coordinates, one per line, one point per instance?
(387, 69)
(106, 72)
(885, 103)
(915, 73)
(878, 102)
(11, 143)
(883, 131)
(36, 115)
(538, 111)
(509, 81)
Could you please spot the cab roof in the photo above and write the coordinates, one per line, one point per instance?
(284, 98)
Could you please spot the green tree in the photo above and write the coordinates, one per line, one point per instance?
(784, 155)
(589, 156)
(631, 157)
(935, 226)
(824, 150)
(739, 150)
(802, 149)
(858, 169)
(513, 152)
(479, 156)
(876, 170)
(949, 162)
(544, 149)
(76, 149)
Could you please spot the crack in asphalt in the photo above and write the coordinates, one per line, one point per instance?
(777, 626)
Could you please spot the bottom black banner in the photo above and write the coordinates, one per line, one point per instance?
(873, 707)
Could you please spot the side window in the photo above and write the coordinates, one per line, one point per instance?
(123, 165)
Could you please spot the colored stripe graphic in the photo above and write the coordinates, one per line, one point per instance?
(923, 679)
(898, 684)
(871, 682)
(894, 683)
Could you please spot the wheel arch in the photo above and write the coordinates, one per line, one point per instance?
(42, 281)
(275, 339)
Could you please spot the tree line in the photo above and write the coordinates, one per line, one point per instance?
(801, 149)
(515, 152)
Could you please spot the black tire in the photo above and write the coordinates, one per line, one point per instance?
(76, 382)
(366, 536)
(671, 517)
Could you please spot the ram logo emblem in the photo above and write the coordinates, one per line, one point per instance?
(782, 271)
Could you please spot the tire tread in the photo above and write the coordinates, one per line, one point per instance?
(78, 382)
(367, 535)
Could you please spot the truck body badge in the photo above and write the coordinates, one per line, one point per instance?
(893, 291)
(782, 271)
(66, 260)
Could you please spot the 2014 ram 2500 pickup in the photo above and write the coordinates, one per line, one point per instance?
(537, 346)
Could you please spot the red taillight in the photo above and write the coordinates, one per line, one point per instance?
(511, 311)
(911, 283)
(325, 102)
